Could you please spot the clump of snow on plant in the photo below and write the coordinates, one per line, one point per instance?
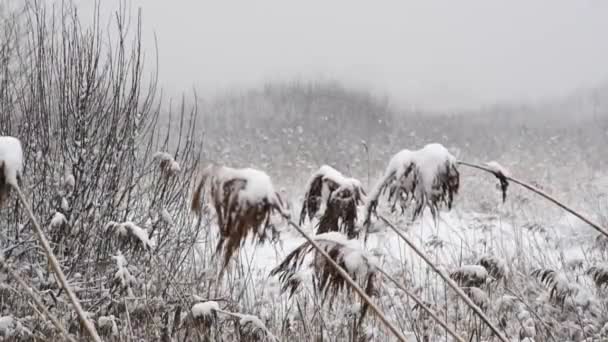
(258, 185)
(11, 157)
(429, 160)
(427, 176)
(130, 230)
(108, 324)
(11, 327)
(123, 277)
(166, 217)
(204, 309)
(167, 162)
(356, 260)
(496, 168)
(58, 220)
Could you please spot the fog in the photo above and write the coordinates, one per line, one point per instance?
(438, 55)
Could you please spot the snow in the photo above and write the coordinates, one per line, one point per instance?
(11, 156)
(396, 166)
(475, 271)
(498, 169)
(162, 156)
(204, 309)
(336, 176)
(7, 326)
(10, 327)
(165, 158)
(258, 185)
(254, 320)
(429, 160)
(166, 217)
(121, 261)
(108, 323)
(139, 233)
(58, 220)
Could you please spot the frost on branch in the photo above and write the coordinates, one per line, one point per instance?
(501, 173)
(428, 177)
(348, 254)
(11, 165)
(244, 200)
(338, 195)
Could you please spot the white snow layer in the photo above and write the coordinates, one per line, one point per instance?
(204, 309)
(11, 156)
(58, 220)
(258, 185)
(498, 169)
(139, 233)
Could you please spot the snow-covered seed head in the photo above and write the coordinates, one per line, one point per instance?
(244, 200)
(470, 275)
(334, 196)
(348, 254)
(11, 165)
(428, 177)
(167, 163)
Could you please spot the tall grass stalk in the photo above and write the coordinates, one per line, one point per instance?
(447, 279)
(90, 328)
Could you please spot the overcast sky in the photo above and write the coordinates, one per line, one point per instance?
(434, 54)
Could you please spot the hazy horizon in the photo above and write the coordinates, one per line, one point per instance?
(429, 54)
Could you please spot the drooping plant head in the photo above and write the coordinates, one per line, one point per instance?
(348, 254)
(427, 177)
(338, 195)
(244, 200)
(11, 165)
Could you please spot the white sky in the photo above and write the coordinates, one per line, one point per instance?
(430, 53)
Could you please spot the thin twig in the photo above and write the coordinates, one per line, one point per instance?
(350, 282)
(57, 269)
(422, 305)
(447, 279)
(542, 194)
(35, 298)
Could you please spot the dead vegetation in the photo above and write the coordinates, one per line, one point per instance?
(327, 281)
(427, 177)
(336, 197)
(244, 200)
